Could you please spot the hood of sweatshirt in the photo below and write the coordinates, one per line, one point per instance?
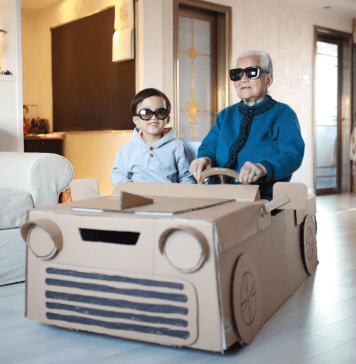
(167, 137)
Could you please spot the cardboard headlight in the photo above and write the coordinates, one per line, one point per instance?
(43, 237)
(185, 248)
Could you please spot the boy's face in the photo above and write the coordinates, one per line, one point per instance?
(153, 126)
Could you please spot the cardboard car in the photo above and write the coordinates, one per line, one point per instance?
(201, 266)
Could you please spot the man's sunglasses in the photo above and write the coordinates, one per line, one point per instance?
(251, 72)
(146, 114)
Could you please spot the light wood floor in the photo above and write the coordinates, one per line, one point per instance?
(316, 325)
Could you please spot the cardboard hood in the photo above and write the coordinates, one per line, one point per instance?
(169, 263)
(242, 193)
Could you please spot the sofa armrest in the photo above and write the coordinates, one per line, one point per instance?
(43, 175)
(82, 189)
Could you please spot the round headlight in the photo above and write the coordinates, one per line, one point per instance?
(43, 237)
(185, 248)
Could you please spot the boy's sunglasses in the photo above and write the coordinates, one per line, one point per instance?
(251, 72)
(146, 114)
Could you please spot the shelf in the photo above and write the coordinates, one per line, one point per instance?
(8, 78)
(46, 136)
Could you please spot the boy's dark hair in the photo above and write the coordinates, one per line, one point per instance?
(144, 94)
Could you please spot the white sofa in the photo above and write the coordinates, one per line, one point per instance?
(27, 180)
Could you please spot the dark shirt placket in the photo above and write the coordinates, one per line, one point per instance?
(244, 132)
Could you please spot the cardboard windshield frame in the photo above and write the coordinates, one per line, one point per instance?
(174, 283)
(242, 193)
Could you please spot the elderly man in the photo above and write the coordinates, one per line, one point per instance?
(258, 137)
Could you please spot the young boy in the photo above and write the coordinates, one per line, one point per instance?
(154, 153)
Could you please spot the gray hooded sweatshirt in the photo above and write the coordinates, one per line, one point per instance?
(164, 161)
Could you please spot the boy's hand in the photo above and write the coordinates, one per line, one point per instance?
(198, 166)
(251, 172)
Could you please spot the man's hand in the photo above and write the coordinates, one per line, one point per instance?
(198, 166)
(251, 172)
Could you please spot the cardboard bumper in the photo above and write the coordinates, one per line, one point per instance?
(180, 269)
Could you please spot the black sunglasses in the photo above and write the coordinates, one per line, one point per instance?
(146, 114)
(251, 72)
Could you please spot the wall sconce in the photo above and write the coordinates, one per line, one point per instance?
(123, 39)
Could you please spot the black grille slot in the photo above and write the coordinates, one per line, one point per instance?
(119, 303)
(109, 236)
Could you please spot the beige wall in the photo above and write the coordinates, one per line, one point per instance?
(11, 111)
(32, 51)
(285, 31)
(93, 155)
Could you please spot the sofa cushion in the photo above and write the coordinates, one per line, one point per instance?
(14, 205)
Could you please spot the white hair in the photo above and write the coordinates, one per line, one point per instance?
(265, 60)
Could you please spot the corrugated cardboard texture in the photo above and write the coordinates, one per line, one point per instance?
(143, 258)
(159, 204)
(310, 254)
(155, 309)
(309, 210)
(296, 192)
(250, 221)
(128, 200)
(268, 252)
(98, 245)
(246, 298)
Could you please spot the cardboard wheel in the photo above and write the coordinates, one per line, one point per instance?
(353, 146)
(246, 298)
(310, 255)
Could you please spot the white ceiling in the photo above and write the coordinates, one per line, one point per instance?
(345, 7)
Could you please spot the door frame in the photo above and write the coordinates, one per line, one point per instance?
(224, 25)
(345, 83)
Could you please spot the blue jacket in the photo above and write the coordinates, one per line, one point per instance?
(266, 133)
(164, 161)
